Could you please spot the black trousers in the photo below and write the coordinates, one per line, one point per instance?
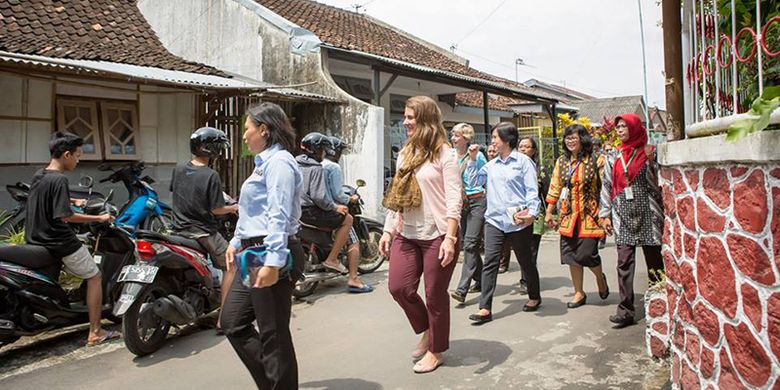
(521, 243)
(625, 271)
(268, 355)
(536, 240)
(471, 221)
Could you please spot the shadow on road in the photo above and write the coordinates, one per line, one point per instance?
(470, 352)
(342, 383)
(174, 350)
(338, 286)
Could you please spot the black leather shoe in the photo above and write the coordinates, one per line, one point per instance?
(574, 305)
(526, 307)
(605, 294)
(479, 319)
(621, 322)
(460, 298)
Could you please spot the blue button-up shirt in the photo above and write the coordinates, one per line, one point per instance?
(270, 204)
(510, 183)
(335, 181)
(480, 162)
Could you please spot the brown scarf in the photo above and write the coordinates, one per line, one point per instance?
(404, 192)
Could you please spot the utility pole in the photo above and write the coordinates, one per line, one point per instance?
(644, 61)
(518, 62)
(672, 26)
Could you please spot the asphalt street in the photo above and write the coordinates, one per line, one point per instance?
(347, 341)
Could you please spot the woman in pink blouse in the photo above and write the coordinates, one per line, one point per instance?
(424, 203)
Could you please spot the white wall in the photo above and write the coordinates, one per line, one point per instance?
(27, 120)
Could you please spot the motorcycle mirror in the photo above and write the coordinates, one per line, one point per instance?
(361, 183)
(86, 181)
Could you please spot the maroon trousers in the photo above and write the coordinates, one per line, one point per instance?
(409, 259)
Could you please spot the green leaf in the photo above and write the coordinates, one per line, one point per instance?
(740, 129)
(771, 92)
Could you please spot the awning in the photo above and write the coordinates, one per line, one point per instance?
(391, 65)
(158, 76)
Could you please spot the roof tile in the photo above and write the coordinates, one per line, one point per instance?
(101, 30)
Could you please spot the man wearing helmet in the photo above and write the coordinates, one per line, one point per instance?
(198, 199)
(317, 207)
(335, 181)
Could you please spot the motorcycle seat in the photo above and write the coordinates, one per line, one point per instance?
(171, 239)
(30, 256)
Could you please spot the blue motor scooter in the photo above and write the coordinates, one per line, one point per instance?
(143, 209)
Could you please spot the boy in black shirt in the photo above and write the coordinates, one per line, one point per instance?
(197, 199)
(48, 215)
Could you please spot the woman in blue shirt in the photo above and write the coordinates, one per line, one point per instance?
(269, 208)
(512, 206)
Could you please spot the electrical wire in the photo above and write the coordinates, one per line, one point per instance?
(480, 23)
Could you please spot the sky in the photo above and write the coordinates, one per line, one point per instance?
(593, 46)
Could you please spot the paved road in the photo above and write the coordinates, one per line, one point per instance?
(363, 342)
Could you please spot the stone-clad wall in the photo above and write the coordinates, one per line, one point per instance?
(722, 256)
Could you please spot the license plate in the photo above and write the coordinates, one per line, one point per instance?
(138, 273)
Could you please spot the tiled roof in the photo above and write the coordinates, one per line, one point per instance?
(107, 30)
(352, 31)
(597, 109)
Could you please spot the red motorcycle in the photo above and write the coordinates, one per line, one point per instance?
(170, 285)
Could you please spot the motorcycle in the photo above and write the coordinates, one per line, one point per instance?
(317, 242)
(143, 209)
(171, 284)
(31, 299)
(14, 222)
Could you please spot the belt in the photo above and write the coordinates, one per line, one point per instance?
(475, 196)
(252, 241)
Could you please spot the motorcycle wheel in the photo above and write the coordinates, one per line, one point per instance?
(144, 332)
(370, 260)
(159, 223)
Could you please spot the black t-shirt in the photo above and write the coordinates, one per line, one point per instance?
(196, 191)
(48, 203)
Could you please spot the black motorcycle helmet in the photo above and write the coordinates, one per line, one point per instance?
(208, 142)
(337, 146)
(314, 143)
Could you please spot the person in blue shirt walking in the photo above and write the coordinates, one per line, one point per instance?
(268, 211)
(472, 217)
(512, 206)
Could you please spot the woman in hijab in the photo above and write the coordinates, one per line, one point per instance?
(631, 209)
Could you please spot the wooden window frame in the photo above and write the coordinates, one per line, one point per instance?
(99, 110)
(62, 103)
(105, 106)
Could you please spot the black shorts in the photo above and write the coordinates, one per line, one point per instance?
(318, 217)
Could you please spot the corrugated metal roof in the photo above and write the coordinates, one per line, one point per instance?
(136, 73)
(532, 95)
(298, 94)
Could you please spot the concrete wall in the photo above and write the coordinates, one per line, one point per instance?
(165, 121)
(722, 257)
(242, 37)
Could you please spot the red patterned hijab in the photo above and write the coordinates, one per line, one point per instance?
(637, 139)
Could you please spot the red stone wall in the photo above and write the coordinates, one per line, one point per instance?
(722, 256)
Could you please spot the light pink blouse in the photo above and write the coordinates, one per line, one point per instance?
(442, 199)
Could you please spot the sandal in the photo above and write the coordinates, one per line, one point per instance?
(110, 335)
(340, 268)
(419, 369)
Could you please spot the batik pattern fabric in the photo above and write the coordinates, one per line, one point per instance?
(580, 209)
(638, 221)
